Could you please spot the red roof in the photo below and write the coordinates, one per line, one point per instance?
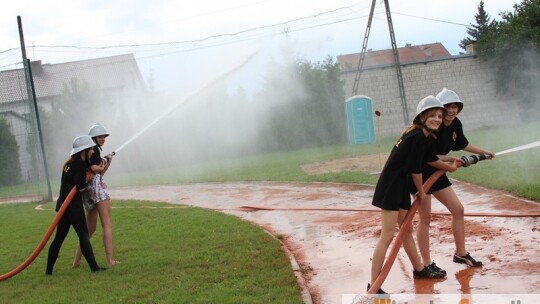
(407, 54)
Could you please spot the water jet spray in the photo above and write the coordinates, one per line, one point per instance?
(520, 148)
(187, 99)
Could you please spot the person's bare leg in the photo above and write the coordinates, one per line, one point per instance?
(91, 222)
(389, 221)
(422, 234)
(449, 199)
(104, 209)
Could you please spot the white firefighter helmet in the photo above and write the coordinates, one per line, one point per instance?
(81, 143)
(447, 96)
(427, 103)
(97, 130)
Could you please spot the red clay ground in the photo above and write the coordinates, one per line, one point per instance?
(333, 247)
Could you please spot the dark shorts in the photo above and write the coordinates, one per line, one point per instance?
(441, 183)
(397, 198)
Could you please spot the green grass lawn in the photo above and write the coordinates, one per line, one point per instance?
(167, 255)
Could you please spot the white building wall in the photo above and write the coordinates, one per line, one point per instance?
(471, 78)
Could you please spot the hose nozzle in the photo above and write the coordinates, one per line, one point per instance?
(473, 159)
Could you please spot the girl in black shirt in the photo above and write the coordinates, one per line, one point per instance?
(392, 191)
(98, 200)
(74, 175)
(449, 138)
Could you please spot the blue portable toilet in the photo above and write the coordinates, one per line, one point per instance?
(359, 114)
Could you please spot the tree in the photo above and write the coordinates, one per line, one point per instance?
(10, 168)
(476, 31)
(512, 45)
(306, 109)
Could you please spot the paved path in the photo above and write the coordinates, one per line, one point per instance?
(334, 247)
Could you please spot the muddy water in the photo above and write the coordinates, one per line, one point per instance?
(333, 247)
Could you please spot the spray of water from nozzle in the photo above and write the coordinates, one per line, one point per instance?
(216, 80)
(473, 159)
(520, 148)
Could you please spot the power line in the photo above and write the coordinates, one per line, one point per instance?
(198, 40)
(287, 24)
(431, 19)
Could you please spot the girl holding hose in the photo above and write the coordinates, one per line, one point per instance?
(74, 175)
(98, 201)
(392, 191)
(450, 138)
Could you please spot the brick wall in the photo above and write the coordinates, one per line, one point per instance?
(471, 78)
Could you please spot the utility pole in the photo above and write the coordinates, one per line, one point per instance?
(32, 97)
(363, 52)
(397, 64)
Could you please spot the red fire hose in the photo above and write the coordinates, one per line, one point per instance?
(467, 161)
(45, 239)
(399, 238)
(47, 235)
(468, 214)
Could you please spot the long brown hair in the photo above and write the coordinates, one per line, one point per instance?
(76, 155)
(419, 123)
(70, 159)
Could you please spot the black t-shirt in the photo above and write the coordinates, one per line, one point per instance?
(96, 157)
(409, 153)
(73, 174)
(450, 138)
(406, 157)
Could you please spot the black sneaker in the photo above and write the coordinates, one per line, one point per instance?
(380, 291)
(428, 273)
(467, 259)
(436, 268)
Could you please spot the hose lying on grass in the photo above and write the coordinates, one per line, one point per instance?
(45, 238)
(48, 233)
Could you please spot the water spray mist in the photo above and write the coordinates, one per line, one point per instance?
(520, 148)
(187, 99)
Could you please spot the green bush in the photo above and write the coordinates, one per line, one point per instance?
(10, 169)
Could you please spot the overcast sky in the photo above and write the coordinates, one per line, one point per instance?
(190, 36)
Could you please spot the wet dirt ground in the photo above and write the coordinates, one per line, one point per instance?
(333, 239)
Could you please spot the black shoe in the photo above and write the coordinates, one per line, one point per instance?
(428, 273)
(436, 268)
(380, 291)
(467, 259)
(99, 269)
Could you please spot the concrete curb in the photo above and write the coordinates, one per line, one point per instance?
(306, 295)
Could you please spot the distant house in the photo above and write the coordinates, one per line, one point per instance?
(113, 75)
(407, 54)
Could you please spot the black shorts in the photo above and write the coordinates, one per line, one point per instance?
(441, 183)
(396, 198)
